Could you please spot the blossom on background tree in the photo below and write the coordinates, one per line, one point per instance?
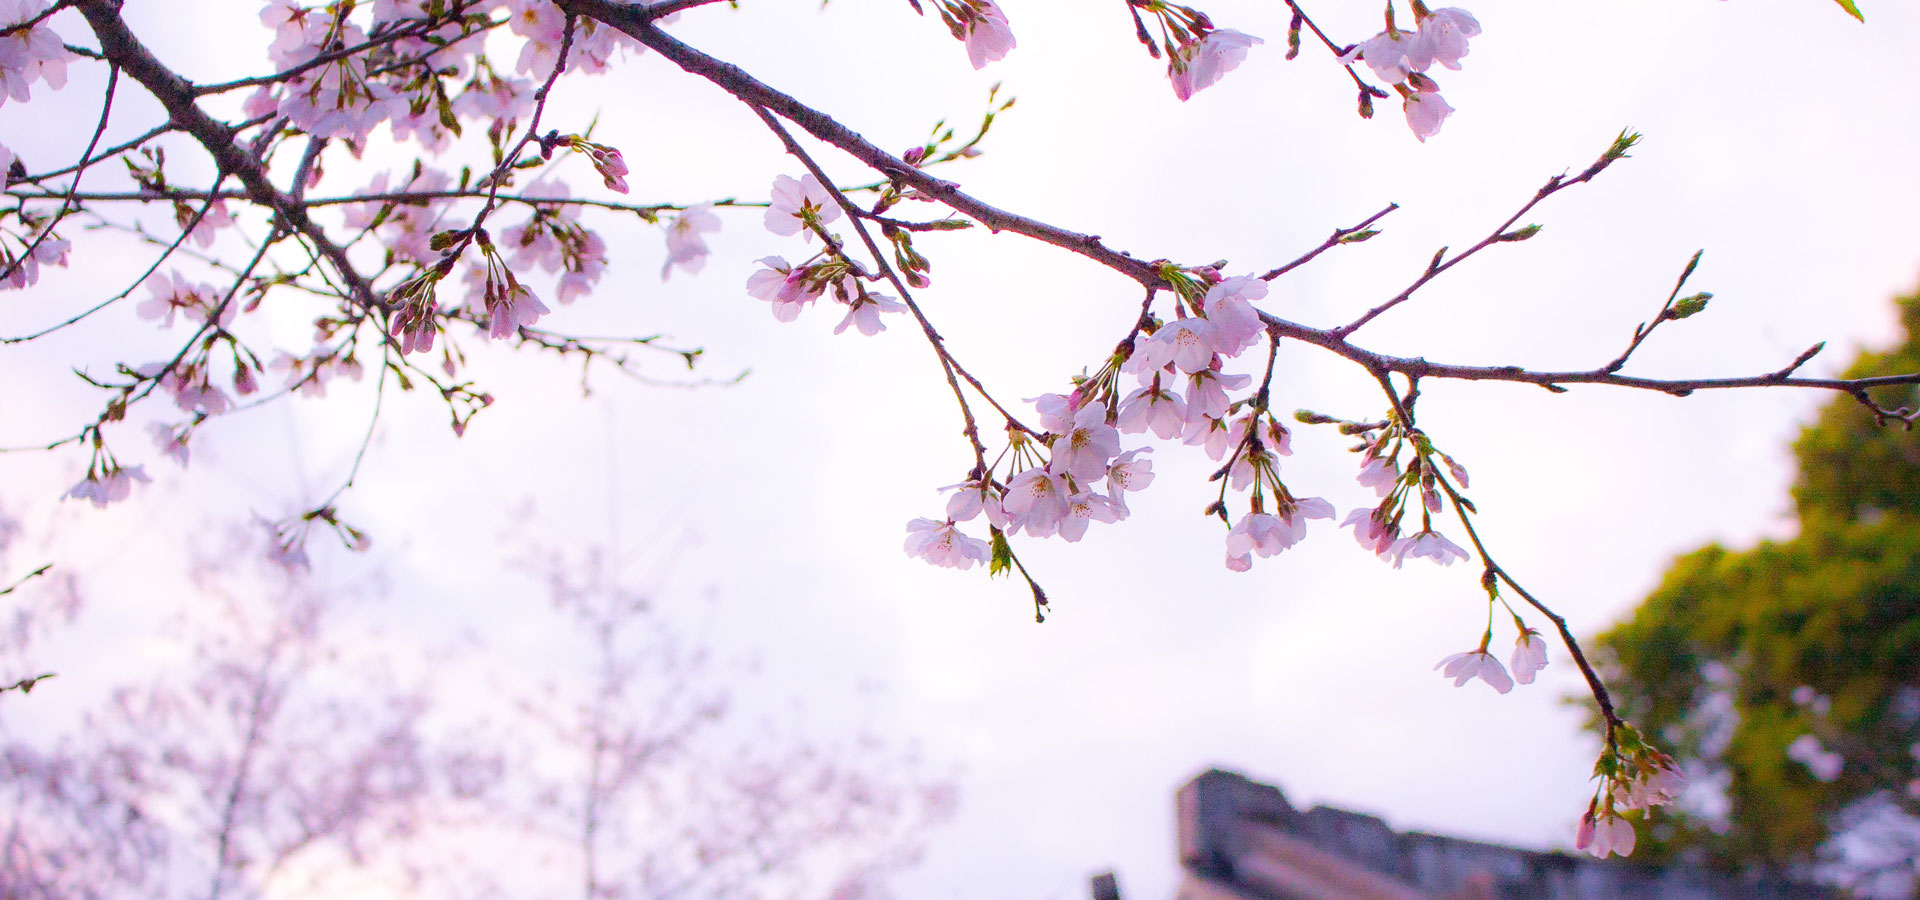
(457, 90)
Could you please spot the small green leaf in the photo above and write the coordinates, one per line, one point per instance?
(1519, 234)
(1687, 306)
(1001, 561)
(1851, 9)
(1358, 236)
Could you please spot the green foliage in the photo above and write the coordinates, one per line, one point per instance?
(1711, 663)
(1851, 9)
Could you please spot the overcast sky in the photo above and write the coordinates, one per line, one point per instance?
(1779, 137)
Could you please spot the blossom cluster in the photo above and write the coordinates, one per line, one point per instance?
(1401, 59)
(29, 55)
(804, 207)
(1634, 777)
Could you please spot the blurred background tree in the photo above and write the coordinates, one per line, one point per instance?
(1787, 677)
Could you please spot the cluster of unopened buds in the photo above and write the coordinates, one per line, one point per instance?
(606, 160)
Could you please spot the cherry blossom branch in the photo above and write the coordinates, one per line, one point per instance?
(27, 25)
(1668, 313)
(643, 210)
(373, 422)
(633, 22)
(27, 684)
(22, 580)
(511, 157)
(105, 155)
(1505, 233)
(947, 363)
(176, 95)
(663, 8)
(68, 205)
(1352, 235)
(1300, 16)
(412, 28)
(1493, 571)
(171, 248)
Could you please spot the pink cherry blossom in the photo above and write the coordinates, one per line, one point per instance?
(1426, 111)
(1529, 656)
(1036, 501)
(1386, 54)
(1608, 835)
(216, 218)
(970, 499)
(1084, 450)
(51, 251)
(1199, 64)
(1372, 534)
(1229, 305)
(1186, 343)
(115, 484)
(1128, 472)
(1083, 509)
(1217, 436)
(1465, 667)
(508, 305)
(941, 544)
(194, 391)
(1657, 787)
(1428, 545)
(783, 286)
(1152, 408)
(864, 313)
(171, 440)
(989, 38)
(685, 247)
(1442, 39)
(1057, 410)
(795, 202)
(1267, 534)
(1379, 473)
(1207, 393)
(29, 55)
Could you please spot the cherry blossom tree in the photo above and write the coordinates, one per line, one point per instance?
(292, 754)
(480, 232)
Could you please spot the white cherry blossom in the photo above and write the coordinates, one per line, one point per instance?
(795, 201)
(1608, 834)
(1152, 408)
(942, 544)
(685, 247)
(1529, 656)
(1443, 39)
(1084, 450)
(864, 313)
(1465, 667)
(115, 484)
(1426, 112)
(1200, 64)
(988, 36)
(1428, 545)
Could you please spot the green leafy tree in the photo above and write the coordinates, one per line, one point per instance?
(1787, 677)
